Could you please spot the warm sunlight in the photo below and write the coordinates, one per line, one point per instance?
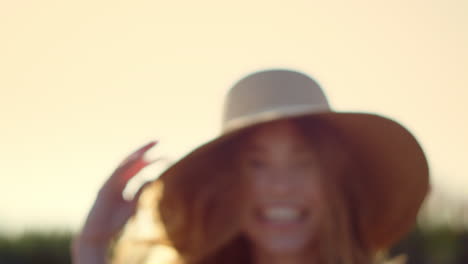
(86, 82)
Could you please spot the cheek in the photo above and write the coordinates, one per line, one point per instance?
(255, 190)
(311, 190)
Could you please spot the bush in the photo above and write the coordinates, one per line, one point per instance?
(437, 245)
(36, 247)
(441, 245)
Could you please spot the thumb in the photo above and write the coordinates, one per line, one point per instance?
(136, 197)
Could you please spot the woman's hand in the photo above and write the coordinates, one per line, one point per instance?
(110, 211)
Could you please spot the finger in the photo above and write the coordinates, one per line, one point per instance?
(138, 153)
(146, 147)
(117, 182)
(137, 195)
(135, 158)
(132, 169)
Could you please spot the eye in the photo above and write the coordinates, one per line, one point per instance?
(255, 163)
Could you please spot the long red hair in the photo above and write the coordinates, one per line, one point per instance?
(198, 211)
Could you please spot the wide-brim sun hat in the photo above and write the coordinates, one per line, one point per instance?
(396, 181)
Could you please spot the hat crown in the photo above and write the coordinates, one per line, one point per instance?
(271, 94)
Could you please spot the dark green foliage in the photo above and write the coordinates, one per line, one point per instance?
(36, 247)
(438, 245)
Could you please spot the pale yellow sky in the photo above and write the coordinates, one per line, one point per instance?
(85, 82)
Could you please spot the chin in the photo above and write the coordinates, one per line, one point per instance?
(283, 246)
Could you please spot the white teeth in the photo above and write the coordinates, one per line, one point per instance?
(281, 213)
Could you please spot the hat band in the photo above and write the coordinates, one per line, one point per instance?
(272, 114)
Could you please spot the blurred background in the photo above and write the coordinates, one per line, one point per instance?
(84, 83)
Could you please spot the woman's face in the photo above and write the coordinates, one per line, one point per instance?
(282, 183)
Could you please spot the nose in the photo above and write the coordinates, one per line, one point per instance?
(280, 183)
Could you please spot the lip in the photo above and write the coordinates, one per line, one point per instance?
(266, 222)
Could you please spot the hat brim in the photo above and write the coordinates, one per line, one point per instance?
(386, 198)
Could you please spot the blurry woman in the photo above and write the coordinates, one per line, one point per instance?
(287, 181)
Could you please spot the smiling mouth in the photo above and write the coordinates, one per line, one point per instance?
(281, 215)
